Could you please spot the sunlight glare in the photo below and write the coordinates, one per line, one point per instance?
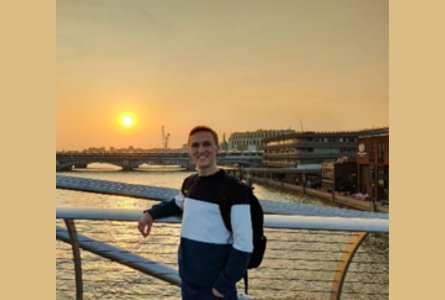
(127, 121)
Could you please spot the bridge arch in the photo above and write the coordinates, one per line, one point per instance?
(129, 162)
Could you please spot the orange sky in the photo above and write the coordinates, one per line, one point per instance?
(233, 65)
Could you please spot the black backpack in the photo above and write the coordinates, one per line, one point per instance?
(257, 216)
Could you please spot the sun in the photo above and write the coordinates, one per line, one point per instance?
(127, 121)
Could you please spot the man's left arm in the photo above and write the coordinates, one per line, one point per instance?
(242, 247)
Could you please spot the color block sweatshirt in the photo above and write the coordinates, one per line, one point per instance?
(210, 255)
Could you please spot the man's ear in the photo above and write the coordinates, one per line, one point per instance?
(189, 151)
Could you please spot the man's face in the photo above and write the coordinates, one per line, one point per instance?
(203, 150)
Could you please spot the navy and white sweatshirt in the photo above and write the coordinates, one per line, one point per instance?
(210, 255)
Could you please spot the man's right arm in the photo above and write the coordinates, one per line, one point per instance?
(161, 210)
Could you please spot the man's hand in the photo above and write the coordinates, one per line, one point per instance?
(217, 294)
(145, 223)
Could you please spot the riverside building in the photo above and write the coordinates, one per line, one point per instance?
(253, 141)
(339, 176)
(300, 148)
(373, 164)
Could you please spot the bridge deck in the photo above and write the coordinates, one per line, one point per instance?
(311, 250)
(165, 194)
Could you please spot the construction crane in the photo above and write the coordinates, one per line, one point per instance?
(165, 138)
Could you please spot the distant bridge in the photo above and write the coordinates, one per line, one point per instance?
(129, 161)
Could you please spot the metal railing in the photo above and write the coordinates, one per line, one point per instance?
(101, 255)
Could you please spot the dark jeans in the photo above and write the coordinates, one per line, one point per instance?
(193, 292)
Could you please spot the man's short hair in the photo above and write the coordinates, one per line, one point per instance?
(203, 128)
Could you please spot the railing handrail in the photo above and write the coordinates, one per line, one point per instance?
(270, 221)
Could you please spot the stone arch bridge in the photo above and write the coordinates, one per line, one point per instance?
(68, 161)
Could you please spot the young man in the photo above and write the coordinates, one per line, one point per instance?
(211, 258)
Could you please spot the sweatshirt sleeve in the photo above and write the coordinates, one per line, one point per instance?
(242, 246)
(172, 207)
(166, 209)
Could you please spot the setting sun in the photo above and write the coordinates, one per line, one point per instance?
(127, 121)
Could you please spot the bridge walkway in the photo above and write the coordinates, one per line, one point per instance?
(313, 253)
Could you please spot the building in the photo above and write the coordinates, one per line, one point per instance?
(373, 164)
(339, 176)
(291, 150)
(253, 141)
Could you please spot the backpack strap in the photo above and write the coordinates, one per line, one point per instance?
(225, 204)
(246, 283)
(188, 184)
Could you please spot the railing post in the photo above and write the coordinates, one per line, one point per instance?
(76, 257)
(352, 246)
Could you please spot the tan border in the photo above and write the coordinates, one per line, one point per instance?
(416, 90)
(28, 68)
